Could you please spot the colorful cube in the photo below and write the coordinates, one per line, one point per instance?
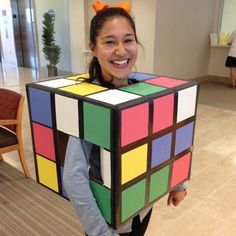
(144, 132)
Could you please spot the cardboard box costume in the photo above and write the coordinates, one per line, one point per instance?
(145, 132)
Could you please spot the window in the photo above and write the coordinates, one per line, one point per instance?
(228, 19)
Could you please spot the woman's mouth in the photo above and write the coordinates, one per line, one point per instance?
(120, 62)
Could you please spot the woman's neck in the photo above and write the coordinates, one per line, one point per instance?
(116, 82)
(119, 82)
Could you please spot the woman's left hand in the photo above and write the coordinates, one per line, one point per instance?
(176, 197)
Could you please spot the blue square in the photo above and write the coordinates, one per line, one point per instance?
(40, 106)
(184, 138)
(161, 149)
(141, 76)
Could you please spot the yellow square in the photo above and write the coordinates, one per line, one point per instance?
(133, 163)
(78, 77)
(47, 173)
(83, 89)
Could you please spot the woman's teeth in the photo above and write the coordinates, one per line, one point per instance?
(120, 62)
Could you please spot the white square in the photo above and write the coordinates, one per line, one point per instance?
(114, 96)
(67, 115)
(57, 83)
(186, 103)
(105, 165)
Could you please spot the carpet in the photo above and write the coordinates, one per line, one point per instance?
(28, 208)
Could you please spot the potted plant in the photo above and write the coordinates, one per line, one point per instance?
(52, 52)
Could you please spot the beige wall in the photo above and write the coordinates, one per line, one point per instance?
(217, 59)
(182, 45)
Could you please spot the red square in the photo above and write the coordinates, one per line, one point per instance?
(134, 123)
(44, 141)
(166, 82)
(163, 112)
(181, 168)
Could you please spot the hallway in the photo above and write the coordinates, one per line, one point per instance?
(210, 207)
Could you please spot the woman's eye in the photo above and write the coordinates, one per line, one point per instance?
(129, 40)
(110, 42)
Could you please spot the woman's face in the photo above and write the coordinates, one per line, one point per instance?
(116, 50)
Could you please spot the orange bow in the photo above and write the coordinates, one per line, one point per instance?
(99, 6)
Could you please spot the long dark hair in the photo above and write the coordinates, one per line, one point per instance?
(95, 27)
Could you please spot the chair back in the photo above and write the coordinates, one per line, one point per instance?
(9, 103)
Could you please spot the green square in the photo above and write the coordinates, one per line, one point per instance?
(103, 198)
(133, 199)
(142, 89)
(159, 183)
(97, 125)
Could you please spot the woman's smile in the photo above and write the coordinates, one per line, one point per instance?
(120, 62)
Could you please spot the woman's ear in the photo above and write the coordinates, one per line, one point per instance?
(92, 48)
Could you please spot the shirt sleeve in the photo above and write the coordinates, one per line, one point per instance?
(76, 183)
(180, 187)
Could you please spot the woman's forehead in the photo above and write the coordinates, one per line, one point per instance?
(116, 25)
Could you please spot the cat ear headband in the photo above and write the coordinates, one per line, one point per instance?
(99, 6)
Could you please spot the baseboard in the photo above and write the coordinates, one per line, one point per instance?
(212, 78)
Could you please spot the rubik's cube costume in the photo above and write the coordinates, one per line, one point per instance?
(144, 132)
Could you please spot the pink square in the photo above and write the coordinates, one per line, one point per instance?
(134, 123)
(181, 168)
(163, 112)
(43, 141)
(166, 82)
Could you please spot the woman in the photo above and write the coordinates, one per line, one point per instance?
(114, 44)
(231, 59)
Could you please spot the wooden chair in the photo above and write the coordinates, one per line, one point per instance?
(11, 107)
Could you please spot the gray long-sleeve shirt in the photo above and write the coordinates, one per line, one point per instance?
(76, 183)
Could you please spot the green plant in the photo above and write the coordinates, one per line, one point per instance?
(52, 52)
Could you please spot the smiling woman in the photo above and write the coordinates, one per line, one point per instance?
(113, 43)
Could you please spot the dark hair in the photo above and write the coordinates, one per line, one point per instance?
(96, 25)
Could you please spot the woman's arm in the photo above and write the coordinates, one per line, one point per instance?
(76, 182)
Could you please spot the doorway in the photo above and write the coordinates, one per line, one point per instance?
(24, 35)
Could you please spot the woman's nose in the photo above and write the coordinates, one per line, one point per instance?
(120, 50)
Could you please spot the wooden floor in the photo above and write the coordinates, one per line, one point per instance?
(210, 207)
(29, 209)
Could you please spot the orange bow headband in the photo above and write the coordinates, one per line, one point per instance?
(99, 6)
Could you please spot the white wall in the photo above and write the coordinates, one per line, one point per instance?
(77, 35)
(145, 17)
(60, 7)
(182, 32)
